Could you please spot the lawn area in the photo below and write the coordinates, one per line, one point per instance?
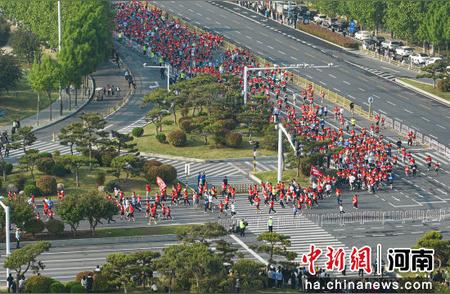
(196, 147)
(428, 88)
(288, 175)
(21, 102)
(144, 231)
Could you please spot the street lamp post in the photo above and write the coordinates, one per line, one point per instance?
(59, 50)
(302, 65)
(281, 131)
(7, 237)
(167, 67)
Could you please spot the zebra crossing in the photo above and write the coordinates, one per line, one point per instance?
(140, 123)
(302, 231)
(42, 146)
(384, 75)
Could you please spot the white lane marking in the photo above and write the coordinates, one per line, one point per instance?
(351, 97)
(199, 14)
(425, 119)
(408, 111)
(361, 89)
(270, 47)
(323, 83)
(256, 255)
(309, 76)
(318, 69)
(248, 37)
(387, 68)
(392, 103)
(293, 47)
(292, 57)
(259, 42)
(383, 112)
(333, 76)
(337, 90)
(442, 127)
(190, 10)
(281, 52)
(345, 82)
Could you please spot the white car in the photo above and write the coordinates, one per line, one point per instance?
(419, 58)
(319, 18)
(432, 60)
(363, 35)
(391, 44)
(404, 51)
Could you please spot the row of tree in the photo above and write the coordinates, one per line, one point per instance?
(415, 21)
(202, 263)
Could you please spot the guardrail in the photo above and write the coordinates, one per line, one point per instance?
(381, 217)
(340, 100)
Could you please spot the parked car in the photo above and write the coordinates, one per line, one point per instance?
(419, 58)
(328, 22)
(432, 60)
(319, 18)
(363, 35)
(391, 44)
(342, 25)
(404, 51)
(378, 39)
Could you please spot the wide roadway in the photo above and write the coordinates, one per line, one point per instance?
(261, 36)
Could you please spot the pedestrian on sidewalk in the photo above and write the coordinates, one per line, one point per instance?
(270, 224)
(18, 237)
(242, 225)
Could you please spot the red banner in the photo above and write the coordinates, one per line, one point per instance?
(315, 171)
(162, 186)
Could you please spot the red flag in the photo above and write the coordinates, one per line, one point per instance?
(315, 171)
(162, 186)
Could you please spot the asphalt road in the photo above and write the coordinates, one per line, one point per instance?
(288, 46)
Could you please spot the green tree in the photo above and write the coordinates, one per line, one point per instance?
(21, 212)
(275, 244)
(130, 164)
(10, 71)
(249, 273)
(121, 269)
(433, 240)
(4, 31)
(434, 71)
(24, 137)
(25, 45)
(44, 77)
(123, 142)
(96, 208)
(200, 233)
(23, 259)
(71, 212)
(191, 267)
(74, 163)
(29, 160)
(435, 23)
(71, 134)
(93, 133)
(368, 13)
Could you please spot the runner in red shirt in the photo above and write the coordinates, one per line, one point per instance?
(355, 200)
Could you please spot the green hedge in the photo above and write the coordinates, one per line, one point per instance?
(38, 284)
(47, 185)
(177, 138)
(328, 35)
(137, 132)
(233, 139)
(161, 138)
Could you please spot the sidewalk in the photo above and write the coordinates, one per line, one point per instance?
(69, 109)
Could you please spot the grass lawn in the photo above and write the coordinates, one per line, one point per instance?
(21, 102)
(428, 88)
(288, 175)
(196, 147)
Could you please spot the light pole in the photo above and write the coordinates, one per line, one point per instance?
(167, 67)
(281, 131)
(302, 65)
(7, 237)
(59, 50)
(370, 100)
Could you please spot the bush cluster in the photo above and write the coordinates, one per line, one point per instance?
(328, 35)
(47, 185)
(186, 124)
(137, 132)
(31, 189)
(109, 186)
(7, 166)
(38, 284)
(443, 85)
(161, 138)
(154, 168)
(55, 227)
(233, 139)
(177, 138)
(100, 177)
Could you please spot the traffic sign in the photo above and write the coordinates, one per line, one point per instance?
(370, 99)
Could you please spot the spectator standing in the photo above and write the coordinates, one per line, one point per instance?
(9, 282)
(18, 237)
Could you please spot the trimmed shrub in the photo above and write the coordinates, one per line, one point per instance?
(20, 182)
(109, 186)
(186, 125)
(151, 173)
(57, 287)
(100, 177)
(77, 288)
(80, 275)
(70, 284)
(35, 226)
(137, 132)
(167, 172)
(31, 190)
(177, 138)
(152, 162)
(219, 137)
(229, 124)
(45, 165)
(47, 185)
(101, 283)
(270, 140)
(55, 226)
(45, 154)
(233, 139)
(7, 166)
(442, 85)
(328, 35)
(107, 156)
(38, 284)
(161, 137)
(59, 170)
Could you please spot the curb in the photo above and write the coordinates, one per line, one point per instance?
(73, 113)
(237, 159)
(165, 156)
(423, 92)
(254, 178)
